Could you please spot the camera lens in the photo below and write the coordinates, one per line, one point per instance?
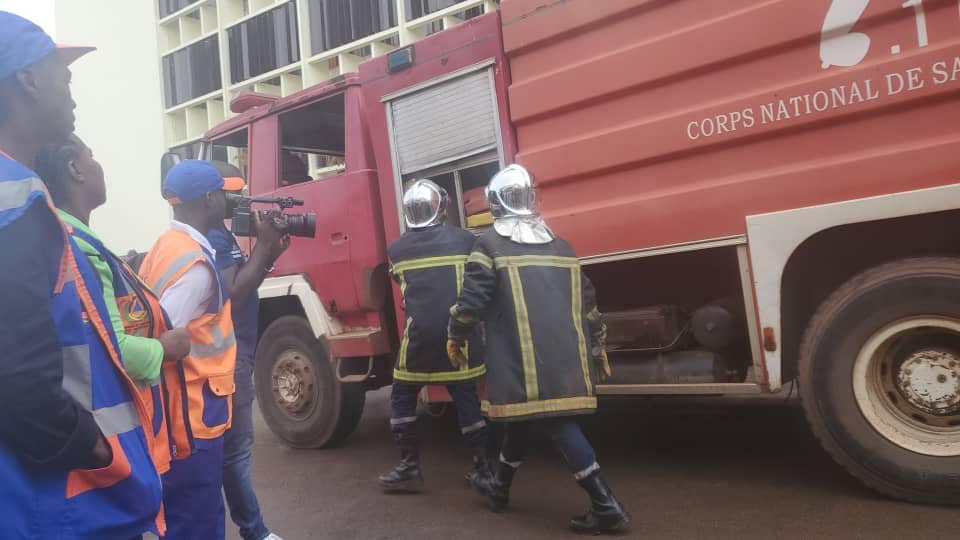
(304, 225)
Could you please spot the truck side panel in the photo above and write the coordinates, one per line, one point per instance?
(682, 118)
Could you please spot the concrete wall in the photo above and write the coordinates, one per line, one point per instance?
(119, 112)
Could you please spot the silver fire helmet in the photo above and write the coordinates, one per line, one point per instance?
(423, 204)
(513, 201)
(510, 193)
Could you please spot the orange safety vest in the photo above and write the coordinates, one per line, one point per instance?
(142, 315)
(200, 388)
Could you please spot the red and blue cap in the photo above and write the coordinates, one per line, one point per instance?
(23, 43)
(191, 179)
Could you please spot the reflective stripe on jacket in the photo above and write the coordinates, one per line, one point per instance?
(123, 499)
(199, 388)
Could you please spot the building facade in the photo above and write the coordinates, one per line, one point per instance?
(212, 49)
(118, 94)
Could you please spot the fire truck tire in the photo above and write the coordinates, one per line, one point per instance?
(300, 397)
(879, 378)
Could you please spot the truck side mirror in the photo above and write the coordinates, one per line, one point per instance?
(167, 162)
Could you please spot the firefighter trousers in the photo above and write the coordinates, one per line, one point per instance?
(403, 403)
(566, 435)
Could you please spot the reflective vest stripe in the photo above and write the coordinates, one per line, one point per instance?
(481, 259)
(178, 265)
(536, 260)
(405, 344)
(117, 419)
(577, 312)
(428, 262)
(76, 374)
(221, 344)
(531, 385)
(16, 193)
(439, 376)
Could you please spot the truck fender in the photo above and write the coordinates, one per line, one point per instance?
(297, 286)
(772, 238)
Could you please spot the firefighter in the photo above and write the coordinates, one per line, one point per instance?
(545, 340)
(428, 262)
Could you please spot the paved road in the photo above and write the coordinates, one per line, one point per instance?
(683, 472)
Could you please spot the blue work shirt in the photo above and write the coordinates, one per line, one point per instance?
(245, 311)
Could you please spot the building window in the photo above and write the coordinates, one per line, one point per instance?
(419, 8)
(312, 142)
(169, 7)
(264, 43)
(191, 72)
(336, 22)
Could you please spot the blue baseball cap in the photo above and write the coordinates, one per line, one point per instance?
(191, 179)
(23, 43)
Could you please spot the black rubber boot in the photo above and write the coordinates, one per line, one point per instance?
(606, 515)
(479, 444)
(496, 486)
(480, 473)
(405, 477)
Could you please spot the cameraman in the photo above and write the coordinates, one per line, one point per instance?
(243, 276)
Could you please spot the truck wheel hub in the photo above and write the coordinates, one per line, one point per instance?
(906, 380)
(930, 380)
(294, 382)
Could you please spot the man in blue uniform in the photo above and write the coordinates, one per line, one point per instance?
(243, 276)
(74, 457)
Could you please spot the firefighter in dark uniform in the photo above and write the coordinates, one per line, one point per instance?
(428, 262)
(545, 344)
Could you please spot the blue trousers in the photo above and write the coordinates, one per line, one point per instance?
(566, 436)
(191, 494)
(403, 403)
(237, 450)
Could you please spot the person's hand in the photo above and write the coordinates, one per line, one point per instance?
(102, 454)
(176, 344)
(455, 352)
(271, 236)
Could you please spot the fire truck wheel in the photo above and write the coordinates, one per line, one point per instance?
(880, 378)
(299, 395)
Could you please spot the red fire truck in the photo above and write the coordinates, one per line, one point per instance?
(765, 193)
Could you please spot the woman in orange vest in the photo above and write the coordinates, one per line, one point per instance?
(76, 185)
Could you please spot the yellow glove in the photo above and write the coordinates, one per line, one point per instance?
(603, 365)
(455, 353)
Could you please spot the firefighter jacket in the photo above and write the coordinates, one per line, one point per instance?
(201, 386)
(123, 499)
(540, 313)
(429, 264)
(141, 315)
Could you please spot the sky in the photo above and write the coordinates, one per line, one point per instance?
(38, 11)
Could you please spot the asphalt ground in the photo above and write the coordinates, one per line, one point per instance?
(683, 470)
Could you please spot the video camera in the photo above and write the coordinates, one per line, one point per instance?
(242, 224)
